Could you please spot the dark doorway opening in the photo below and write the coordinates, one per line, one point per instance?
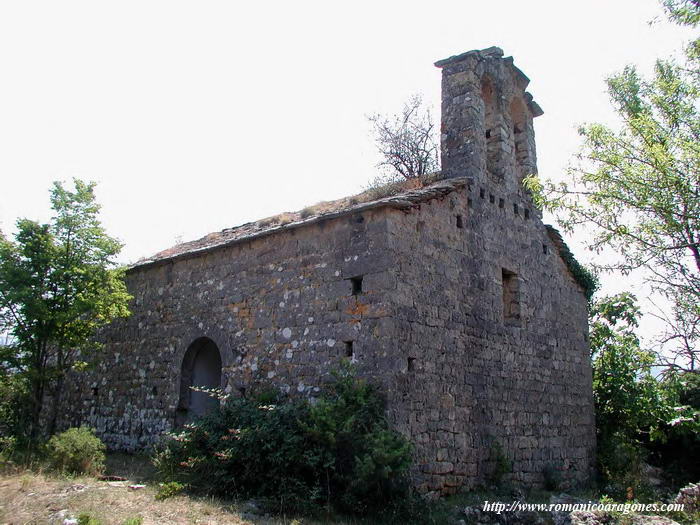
(201, 368)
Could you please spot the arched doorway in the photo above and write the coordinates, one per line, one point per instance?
(201, 367)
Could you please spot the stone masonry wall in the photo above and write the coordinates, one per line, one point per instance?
(472, 381)
(279, 308)
(428, 327)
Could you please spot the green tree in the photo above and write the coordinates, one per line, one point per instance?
(638, 187)
(59, 283)
(683, 12)
(629, 404)
(636, 411)
(627, 395)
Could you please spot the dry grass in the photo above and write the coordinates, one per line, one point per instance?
(36, 497)
(39, 498)
(378, 190)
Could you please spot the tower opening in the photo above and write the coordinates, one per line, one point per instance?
(492, 130)
(521, 149)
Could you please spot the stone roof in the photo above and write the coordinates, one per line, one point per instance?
(291, 220)
(402, 200)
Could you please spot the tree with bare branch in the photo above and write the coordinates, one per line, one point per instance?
(407, 142)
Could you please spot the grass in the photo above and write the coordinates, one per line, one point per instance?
(36, 496)
(40, 498)
(379, 189)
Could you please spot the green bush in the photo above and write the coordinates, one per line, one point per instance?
(337, 452)
(77, 451)
(681, 434)
(169, 489)
(87, 519)
(621, 469)
(502, 466)
(14, 409)
(552, 478)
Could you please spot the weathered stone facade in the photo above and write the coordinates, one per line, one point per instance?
(454, 298)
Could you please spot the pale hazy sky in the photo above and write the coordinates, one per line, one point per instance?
(198, 116)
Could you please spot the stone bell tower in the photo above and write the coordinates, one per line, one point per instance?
(487, 131)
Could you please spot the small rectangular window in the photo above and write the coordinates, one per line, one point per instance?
(460, 222)
(349, 349)
(482, 193)
(501, 203)
(545, 249)
(492, 199)
(411, 364)
(515, 209)
(511, 297)
(356, 283)
(527, 213)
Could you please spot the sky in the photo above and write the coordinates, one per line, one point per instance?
(198, 116)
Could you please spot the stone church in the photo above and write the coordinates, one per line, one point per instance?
(454, 297)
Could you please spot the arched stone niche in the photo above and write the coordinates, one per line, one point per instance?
(201, 367)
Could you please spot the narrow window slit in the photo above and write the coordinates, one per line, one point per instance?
(515, 209)
(349, 349)
(356, 283)
(527, 213)
(492, 199)
(411, 364)
(545, 249)
(501, 203)
(460, 222)
(511, 297)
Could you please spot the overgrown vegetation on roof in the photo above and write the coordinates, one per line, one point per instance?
(376, 191)
(582, 275)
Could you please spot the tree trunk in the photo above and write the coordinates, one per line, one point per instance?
(58, 390)
(37, 402)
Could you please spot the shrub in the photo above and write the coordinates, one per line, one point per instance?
(681, 434)
(14, 409)
(501, 464)
(338, 452)
(77, 451)
(87, 519)
(169, 489)
(552, 478)
(620, 466)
